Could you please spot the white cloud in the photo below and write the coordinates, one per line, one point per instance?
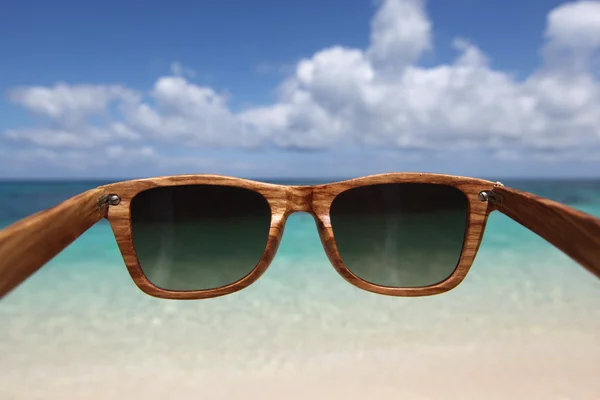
(188, 114)
(400, 33)
(84, 136)
(68, 110)
(575, 25)
(63, 101)
(349, 95)
(573, 37)
(378, 96)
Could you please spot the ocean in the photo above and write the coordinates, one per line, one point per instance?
(525, 323)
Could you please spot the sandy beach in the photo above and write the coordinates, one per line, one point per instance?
(494, 370)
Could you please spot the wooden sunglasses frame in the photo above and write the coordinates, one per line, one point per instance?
(28, 244)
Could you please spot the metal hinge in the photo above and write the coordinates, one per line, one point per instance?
(491, 196)
(108, 199)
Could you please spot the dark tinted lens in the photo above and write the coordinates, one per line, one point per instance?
(199, 236)
(400, 235)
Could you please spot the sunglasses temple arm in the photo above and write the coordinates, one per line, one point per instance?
(574, 232)
(28, 244)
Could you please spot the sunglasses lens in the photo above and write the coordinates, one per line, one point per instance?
(199, 237)
(400, 235)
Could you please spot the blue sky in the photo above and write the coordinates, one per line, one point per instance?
(270, 88)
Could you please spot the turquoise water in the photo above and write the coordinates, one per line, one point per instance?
(80, 321)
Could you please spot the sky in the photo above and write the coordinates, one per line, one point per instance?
(270, 89)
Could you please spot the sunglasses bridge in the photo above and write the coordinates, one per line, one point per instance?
(299, 199)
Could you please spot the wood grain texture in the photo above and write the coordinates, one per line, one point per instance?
(574, 232)
(31, 242)
(285, 200)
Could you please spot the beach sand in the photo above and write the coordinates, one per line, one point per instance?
(494, 370)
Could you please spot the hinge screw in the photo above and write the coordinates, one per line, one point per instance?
(108, 200)
(490, 196)
(113, 199)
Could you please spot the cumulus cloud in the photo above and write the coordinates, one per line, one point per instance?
(400, 33)
(183, 112)
(573, 37)
(63, 101)
(379, 96)
(575, 26)
(350, 95)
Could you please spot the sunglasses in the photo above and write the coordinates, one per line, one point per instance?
(202, 236)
